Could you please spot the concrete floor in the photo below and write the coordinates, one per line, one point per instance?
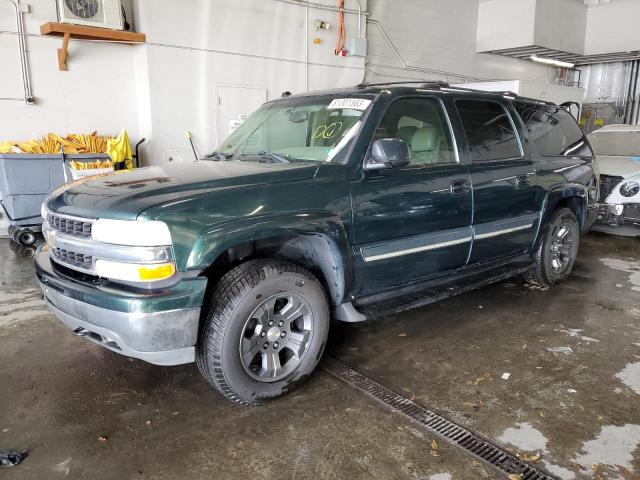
(579, 410)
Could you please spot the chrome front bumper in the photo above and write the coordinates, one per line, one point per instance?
(158, 328)
(151, 337)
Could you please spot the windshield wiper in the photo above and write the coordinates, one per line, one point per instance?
(274, 157)
(217, 156)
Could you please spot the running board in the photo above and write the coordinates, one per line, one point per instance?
(435, 294)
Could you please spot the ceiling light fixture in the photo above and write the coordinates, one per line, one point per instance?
(551, 61)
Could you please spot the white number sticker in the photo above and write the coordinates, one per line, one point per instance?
(352, 103)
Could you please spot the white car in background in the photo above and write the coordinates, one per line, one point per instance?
(617, 149)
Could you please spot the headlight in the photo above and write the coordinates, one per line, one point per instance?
(43, 210)
(133, 272)
(132, 233)
(629, 189)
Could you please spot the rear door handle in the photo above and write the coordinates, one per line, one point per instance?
(523, 181)
(459, 187)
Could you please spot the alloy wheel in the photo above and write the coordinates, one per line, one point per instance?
(562, 247)
(276, 337)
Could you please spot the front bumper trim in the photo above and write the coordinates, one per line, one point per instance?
(161, 338)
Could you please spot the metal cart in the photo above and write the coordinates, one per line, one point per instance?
(25, 182)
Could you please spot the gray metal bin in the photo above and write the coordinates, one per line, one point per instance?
(25, 182)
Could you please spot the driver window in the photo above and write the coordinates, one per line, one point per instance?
(421, 124)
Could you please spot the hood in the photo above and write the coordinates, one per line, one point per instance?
(618, 166)
(124, 195)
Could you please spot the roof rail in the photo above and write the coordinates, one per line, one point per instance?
(440, 85)
(407, 82)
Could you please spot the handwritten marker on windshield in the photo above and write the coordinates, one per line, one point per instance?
(191, 143)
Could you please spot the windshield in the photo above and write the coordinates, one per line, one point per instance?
(308, 129)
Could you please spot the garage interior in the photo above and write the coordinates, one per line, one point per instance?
(547, 376)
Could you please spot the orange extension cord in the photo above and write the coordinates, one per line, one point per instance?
(341, 32)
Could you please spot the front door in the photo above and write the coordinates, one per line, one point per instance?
(505, 197)
(412, 222)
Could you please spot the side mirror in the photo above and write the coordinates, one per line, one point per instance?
(388, 153)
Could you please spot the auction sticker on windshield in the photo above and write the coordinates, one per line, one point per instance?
(353, 103)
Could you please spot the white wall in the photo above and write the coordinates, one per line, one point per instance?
(432, 35)
(613, 27)
(566, 25)
(166, 87)
(560, 25)
(97, 93)
(186, 60)
(552, 93)
(505, 22)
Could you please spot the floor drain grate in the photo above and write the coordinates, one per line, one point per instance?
(454, 433)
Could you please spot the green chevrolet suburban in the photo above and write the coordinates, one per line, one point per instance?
(351, 204)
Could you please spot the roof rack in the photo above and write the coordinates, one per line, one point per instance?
(406, 82)
(435, 84)
(440, 85)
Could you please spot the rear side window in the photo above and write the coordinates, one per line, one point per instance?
(489, 130)
(553, 130)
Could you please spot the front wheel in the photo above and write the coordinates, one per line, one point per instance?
(558, 250)
(265, 331)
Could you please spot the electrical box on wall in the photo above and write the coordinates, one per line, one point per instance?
(357, 47)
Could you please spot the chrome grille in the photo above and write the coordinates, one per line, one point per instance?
(607, 184)
(71, 226)
(75, 259)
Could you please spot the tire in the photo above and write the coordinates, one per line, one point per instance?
(557, 253)
(244, 303)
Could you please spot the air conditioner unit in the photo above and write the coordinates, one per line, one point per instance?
(95, 13)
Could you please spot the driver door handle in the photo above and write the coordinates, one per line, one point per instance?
(460, 187)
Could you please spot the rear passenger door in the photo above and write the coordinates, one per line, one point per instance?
(412, 222)
(505, 199)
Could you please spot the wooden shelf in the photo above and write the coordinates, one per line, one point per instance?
(69, 31)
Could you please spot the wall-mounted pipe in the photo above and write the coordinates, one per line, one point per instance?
(320, 6)
(24, 62)
(636, 102)
(632, 117)
(412, 68)
(627, 103)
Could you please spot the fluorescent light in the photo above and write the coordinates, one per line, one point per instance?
(551, 61)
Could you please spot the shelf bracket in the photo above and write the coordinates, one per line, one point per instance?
(68, 31)
(63, 52)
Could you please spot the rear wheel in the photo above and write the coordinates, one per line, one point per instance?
(265, 331)
(557, 251)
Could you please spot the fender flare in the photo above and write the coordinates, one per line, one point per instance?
(558, 193)
(317, 241)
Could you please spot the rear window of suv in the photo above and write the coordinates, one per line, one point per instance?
(553, 130)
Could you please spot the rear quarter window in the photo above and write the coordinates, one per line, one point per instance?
(553, 130)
